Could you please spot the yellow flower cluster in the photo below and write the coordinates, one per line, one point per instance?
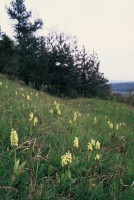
(93, 143)
(110, 125)
(51, 111)
(66, 159)
(35, 120)
(76, 114)
(0, 83)
(32, 118)
(95, 120)
(97, 146)
(70, 121)
(76, 142)
(97, 157)
(21, 89)
(28, 97)
(57, 107)
(117, 126)
(14, 138)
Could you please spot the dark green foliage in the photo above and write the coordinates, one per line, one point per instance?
(90, 81)
(26, 41)
(73, 72)
(23, 27)
(53, 63)
(61, 64)
(7, 55)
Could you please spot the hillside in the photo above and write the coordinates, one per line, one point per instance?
(122, 87)
(54, 148)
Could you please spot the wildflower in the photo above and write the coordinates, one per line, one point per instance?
(75, 116)
(35, 121)
(69, 157)
(111, 125)
(0, 83)
(70, 122)
(66, 159)
(30, 116)
(95, 120)
(97, 145)
(90, 146)
(97, 157)
(57, 106)
(63, 161)
(51, 111)
(93, 141)
(76, 142)
(55, 103)
(28, 97)
(79, 114)
(123, 123)
(23, 94)
(14, 138)
(36, 94)
(58, 112)
(117, 126)
(108, 122)
(16, 93)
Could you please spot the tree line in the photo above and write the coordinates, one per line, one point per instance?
(52, 63)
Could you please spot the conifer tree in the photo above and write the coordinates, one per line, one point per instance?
(25, 37)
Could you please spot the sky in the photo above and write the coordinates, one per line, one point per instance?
(103, 26)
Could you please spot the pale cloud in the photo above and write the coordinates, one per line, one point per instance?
(105, 26)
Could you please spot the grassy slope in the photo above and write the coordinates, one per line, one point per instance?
(42, 146)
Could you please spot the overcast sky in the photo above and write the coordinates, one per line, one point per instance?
(105, 26)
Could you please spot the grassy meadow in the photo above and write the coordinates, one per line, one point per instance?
(64, 149)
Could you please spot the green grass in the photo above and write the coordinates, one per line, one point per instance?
(41, 146)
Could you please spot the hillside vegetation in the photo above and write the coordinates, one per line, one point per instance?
(52, 148)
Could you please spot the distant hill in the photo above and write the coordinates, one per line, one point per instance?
(122, 87)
